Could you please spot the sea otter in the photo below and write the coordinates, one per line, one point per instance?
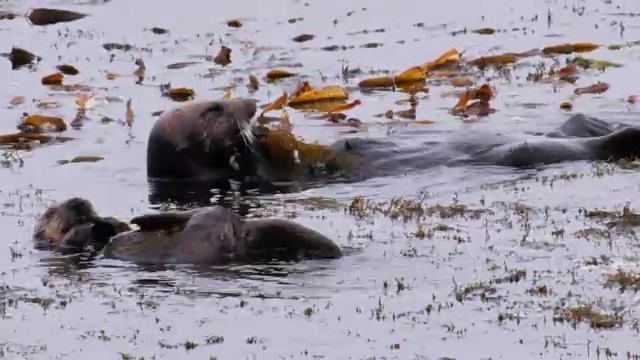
(211, 235)
(215, 140)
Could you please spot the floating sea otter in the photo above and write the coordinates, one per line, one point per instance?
(205, 236)
(210, 140)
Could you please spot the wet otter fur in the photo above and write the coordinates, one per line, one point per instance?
(228, 149)
(204, 236)
(73, 226)
(216, 235)
(202, 140)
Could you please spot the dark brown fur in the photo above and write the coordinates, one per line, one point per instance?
(201, 140)
(73, 225)
(216, 235)
(204, 236)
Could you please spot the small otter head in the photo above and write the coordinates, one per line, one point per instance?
(72, 225)
(91, 237)
(59, 219)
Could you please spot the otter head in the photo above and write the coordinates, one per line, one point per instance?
(622, 144)
(226, 131)
(74, 224)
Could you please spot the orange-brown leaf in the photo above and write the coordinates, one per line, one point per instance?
(570, 69)
(181, 94)
(411, 75)
(17, 100)
(41, 123)
(377, 82)
(494, 60)
(129, 113)
(345, 107)
(112, 76)
(477, 108)
(15, 138)
(569, 48)
(461, 82)
(82, 99)
(45, 16)
(53, 79)
(422, 122)
(81, 158)
(279, 74)
(567, 106)
(483, 94)
(448, 59)
(597, 88)
(48, 105)
(224, 56)
(67, 69)
(234, 23)
(278, 104)
(301, 88)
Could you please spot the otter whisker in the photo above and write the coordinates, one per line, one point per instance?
(246, 133)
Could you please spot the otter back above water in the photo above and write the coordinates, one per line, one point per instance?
(215, 235)
(210, 235)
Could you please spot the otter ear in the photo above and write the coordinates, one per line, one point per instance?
(347, 145)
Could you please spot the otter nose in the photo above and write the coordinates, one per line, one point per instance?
(251, 106)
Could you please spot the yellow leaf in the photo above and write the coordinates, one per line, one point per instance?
(334, 92)
(449, 58)
(411, 75)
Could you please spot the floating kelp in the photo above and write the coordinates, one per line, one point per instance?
(44, 16)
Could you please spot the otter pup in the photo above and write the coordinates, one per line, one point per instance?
(73, 226)
(204, 236)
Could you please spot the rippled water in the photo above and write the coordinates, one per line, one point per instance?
(325, 309)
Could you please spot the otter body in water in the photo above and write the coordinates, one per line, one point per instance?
(212, 139)
(205, 236)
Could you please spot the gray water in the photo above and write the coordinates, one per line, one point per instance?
(530, 220)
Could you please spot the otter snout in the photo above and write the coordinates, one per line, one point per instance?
(246, 107)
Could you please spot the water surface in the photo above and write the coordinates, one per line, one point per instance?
(398, 294)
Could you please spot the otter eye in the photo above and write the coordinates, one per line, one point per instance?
(216, 108)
